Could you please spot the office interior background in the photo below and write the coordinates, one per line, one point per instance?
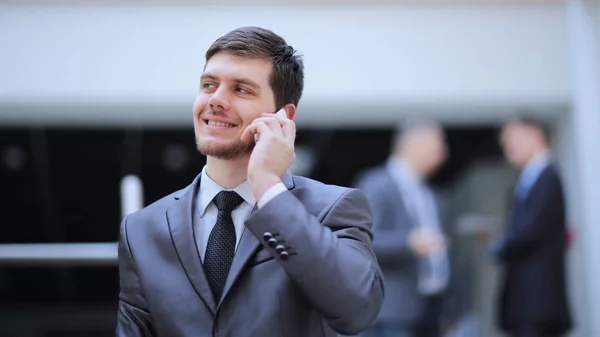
(92, 92)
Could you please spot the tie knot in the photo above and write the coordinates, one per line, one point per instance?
(226, 201)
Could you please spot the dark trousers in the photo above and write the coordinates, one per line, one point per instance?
(429, 324)
(387, 330)
(535, 331)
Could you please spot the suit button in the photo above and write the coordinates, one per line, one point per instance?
(267, 236)
(280, 249)
(284, 255)
(272, 242)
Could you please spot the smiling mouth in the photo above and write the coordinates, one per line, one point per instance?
(220, 124)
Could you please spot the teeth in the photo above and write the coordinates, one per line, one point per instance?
(213, 123)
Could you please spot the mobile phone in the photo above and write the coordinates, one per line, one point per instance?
(281, 112)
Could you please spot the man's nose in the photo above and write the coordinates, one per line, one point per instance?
(220, 99)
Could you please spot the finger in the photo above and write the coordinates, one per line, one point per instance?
(288, 126)
(273, 123)
(280, 116)
(255, 129)
(273, 126)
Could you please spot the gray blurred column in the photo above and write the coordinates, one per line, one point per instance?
(132, 194)
(583, 18)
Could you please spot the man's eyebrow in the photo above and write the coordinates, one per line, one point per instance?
(245, 81)
(208, 76)
(248, 82)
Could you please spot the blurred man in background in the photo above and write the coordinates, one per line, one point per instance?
(409, 234)
(533, 300)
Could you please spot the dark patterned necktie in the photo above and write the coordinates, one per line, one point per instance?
(221, 243)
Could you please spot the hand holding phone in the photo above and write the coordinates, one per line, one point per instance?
(281, 113)
(273, 153)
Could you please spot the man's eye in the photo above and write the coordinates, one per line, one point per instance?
(207, 85)
(242, 90)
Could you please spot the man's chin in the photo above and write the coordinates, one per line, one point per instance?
(226, 151)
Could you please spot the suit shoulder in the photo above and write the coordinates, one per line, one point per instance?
(375, 177)
(554, 170)
(552, 173)
(156, 207)
(310, 189)
(309, 184)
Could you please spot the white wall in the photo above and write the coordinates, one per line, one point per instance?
(564, 145)
(125, 62)
(585, 124)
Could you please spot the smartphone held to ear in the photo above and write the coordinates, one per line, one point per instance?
(281, 113)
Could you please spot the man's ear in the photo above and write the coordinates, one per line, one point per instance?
(290, 110)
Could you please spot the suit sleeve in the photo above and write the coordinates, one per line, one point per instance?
(335, 269)
(133, 317)
(527, 232)
(390, 246)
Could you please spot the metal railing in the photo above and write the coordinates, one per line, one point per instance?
(59, 254)
(75, 254)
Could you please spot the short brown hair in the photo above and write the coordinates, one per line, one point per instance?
(287, 76)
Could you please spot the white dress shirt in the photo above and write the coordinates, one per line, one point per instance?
(208, 211)
(420, 202)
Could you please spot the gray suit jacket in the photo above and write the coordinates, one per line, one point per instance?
(329, 282)
(403, 303)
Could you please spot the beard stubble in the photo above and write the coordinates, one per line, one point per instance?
(229, 151)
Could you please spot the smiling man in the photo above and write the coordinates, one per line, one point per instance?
(247, 249)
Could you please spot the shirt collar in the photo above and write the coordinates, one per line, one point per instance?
(209, 189)
(535, 166)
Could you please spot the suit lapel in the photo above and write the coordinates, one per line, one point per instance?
(179, 217)
(537, 181)
(247, 247)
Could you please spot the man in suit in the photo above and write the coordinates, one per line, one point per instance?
(410, 234)
(247, 249)
(531, 251)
